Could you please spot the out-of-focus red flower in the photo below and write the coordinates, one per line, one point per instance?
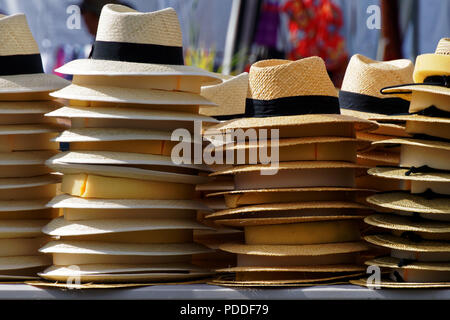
(314, 27)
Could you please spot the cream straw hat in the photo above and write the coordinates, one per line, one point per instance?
(21, 65)
(136, 43)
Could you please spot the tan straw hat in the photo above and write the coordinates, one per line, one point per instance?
(22, 70)
(285, 93)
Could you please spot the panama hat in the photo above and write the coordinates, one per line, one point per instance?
(238, 198)
(425, 229)
(294, 94)
(360, 92)
(123, 273)
(22, 70)
(403, 201)
(431, 73)
(229, 95)
(120, 50)
(406, 174)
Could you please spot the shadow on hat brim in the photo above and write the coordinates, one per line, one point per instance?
(404, 201)
(393, 263)
(408, 89)
(434, 144)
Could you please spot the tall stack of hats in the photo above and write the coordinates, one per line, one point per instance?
(26, 184)
(299, 211)
(360, 96)
(128, 205)
(229, 95)
(418, 231)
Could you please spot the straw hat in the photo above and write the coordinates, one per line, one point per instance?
(403, 201)
(403, 244)
(135, 43)
(431, 73)
(285, 93)
(360, 92)
(229, 96)
(400, 223)
(22, 70)
(406, 174)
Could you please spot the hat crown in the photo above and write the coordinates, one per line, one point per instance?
(16, 37)
(443, 47)
(277, 78)
(119, 23)
(367, 76)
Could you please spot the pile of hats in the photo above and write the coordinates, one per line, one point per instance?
(229, 95)
(128, 206)
(418, 230)
(295, 196)
(26, 185)
(360, 97)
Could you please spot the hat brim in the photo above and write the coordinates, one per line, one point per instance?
(296, 121)
(404, 201)
(119, 249)
(291, 165)
(127, 114)
(22, 205)
(64, 228)
(434, 144)
(16, 183)
(21, 228)
(393, 263)
(130, 95)
(414, 117)
(295, 250)
(121, 68)
(401, 223)
(24, 83)
(399, 285)
(398, 243)
(268, 207)
(245, 222)
(25, 157)
(312, 268)
(67, 201)
(407, 89)
(27, 107)
(400, 174)
(15, 129)
(375, 157)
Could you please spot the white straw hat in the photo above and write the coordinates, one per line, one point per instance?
(21, 65)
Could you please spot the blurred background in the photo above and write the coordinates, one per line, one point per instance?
(229, 35)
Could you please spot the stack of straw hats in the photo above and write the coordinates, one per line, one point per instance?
(417, 231)
(26, 184)
(360, 96)
(229, 95)
(129, 212)
(299, 215)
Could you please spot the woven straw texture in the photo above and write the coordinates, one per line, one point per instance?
(122, 24)
(443, 47)
(229, 96)
(16, 37)
(395, 222)
(367, 76)
(272, 79)
(393, 242)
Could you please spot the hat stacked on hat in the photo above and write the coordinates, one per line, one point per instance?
(128, 207)
(417, 231)
(229, 95)
(360, 96)
(299, 212)
(26, 184)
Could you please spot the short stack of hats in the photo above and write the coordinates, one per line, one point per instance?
(128, 205)
(417, 230)
(26, 185)
(360, 97)
(300, 215)
(229, 95)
